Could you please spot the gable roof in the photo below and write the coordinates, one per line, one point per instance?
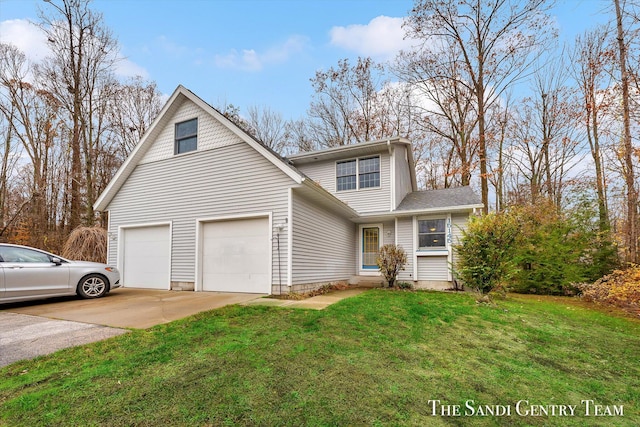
(164, 117)
(431, 200)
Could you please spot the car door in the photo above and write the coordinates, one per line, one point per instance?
(28, 272)
(1, 280)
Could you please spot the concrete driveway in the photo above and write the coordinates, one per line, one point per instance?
(36, 328)
(130, 308)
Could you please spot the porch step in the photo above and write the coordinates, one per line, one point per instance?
(366, 281)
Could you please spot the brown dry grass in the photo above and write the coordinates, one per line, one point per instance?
(86, 244)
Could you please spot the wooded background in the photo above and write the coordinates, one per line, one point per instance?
(488, 97)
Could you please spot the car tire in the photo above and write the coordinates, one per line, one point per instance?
(93, 286)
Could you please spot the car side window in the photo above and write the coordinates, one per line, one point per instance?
(10, 254)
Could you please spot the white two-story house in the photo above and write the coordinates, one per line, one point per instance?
(201, 205)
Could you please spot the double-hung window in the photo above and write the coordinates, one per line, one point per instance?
(186, 136)
(358, 173)
(346, 175)
(431, 234)
(369, 172)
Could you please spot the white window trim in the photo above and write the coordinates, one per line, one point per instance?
(361, 271)
(436, 250)
(446, 251)
(175, 134)
(357, 160)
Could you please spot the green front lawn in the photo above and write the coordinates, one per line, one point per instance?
(374, 359)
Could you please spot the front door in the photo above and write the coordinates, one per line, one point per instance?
(370, 246)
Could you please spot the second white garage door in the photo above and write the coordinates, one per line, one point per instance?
(235, 256)
(146, 258)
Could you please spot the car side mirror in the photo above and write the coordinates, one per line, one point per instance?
(56, 260)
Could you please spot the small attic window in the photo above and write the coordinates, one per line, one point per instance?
(186, 136)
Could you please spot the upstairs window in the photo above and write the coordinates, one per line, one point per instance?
(346, 175)
(358, 174)
(369, 172)
(431, 234)
(186, 136)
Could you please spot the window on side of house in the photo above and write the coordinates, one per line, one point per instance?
(186, 136)
(358, 173)
(369, 172)
(431, 234)
(346, 175)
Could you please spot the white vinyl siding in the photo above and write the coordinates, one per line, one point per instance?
(458, 223)
(388, 233)
(402, 174)
(211, 133)
(323, 244)
(230, 180)
(405, 240)
(433, 268)
(364, 200)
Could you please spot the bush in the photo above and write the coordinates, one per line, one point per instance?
(534, 249)
(620, 288)
(550, 255)
(485, 256)
(404, 285)
(391, 259)
(86, 244)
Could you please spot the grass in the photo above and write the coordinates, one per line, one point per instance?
(374, 359)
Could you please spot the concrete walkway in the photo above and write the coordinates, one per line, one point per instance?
(315, 303)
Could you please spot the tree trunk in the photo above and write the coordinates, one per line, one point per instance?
(631, 232)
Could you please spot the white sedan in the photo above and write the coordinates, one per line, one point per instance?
(28, 273)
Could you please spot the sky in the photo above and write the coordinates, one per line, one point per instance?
(251, 52)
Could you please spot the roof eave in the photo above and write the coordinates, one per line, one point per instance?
(318, 155)
(459, 208)
(116, 182)
(347, 210)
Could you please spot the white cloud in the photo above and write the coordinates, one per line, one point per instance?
(26, 36)
(32, 41)
(126, 68)
(382, 38)
(252, 60)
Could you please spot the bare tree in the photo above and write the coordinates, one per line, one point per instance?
(502, 121)
(268, 127)
(132, 108)
(447, 105)
(544, 141)
(631, 232)
(590, 70)
(33, 120)
(495, 41)
(83, 55)
(345, 109)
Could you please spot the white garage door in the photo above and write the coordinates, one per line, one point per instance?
(146, 259)
(235, 256)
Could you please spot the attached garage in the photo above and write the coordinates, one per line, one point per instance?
(235, 255)
(146, 257)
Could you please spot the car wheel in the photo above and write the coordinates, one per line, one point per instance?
(92, 286)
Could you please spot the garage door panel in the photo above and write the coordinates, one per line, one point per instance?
(146, 257)
(235, 256)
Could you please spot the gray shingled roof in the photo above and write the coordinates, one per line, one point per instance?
(432, 199)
